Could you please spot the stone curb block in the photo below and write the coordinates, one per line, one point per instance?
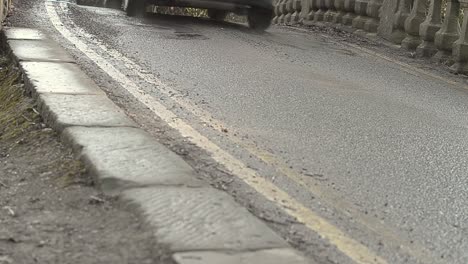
(62, 110)
(187, 215)
(58, 78)
(124, 157)
(24, 33)
(38, 50)
(190, 219)
(268, 256)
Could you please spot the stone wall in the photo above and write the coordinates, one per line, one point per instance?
(436, 29)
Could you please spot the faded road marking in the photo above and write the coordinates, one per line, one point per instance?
(350, 247)
(393, 238)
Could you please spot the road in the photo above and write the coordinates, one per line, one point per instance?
(352, 156)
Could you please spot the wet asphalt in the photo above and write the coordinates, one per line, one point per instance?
(389, 143)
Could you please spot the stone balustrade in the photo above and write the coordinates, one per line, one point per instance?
(460, 46)
(449, 32)
(320, 13)
(431, 28)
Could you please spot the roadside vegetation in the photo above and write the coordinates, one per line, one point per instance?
(50, 211)
(18, 115)
(21, 123)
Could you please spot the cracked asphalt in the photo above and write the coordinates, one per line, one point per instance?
(376, 148)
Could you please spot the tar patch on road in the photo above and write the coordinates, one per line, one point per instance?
(186, 36)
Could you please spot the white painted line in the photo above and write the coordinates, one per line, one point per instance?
(352, 248)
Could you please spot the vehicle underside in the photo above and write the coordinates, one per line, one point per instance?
(259, 12)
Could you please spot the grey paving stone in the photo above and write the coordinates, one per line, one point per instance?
(24, 33)
(187, 215)
(38, 50)
(127, 157)
(189, 219)
(269, 256)
(61, 110)
(56, 77)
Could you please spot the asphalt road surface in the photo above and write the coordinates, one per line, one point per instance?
(352, 156)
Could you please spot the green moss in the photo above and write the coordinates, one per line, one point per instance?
(73, 171)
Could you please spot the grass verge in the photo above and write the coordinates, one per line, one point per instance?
(17, 111)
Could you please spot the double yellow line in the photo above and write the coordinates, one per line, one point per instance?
(355, 250)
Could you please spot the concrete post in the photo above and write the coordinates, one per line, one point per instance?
(320, 13)
(1, 13)
(360, 6)
(338, 16)
(276, 11)
(330, 6)
(295, 17)
(449, 33)
(399, 21)
(313, 9)
(386, 18)
(289, 11)
(428, 29)
(412, 23)
(349, 8)
(305, 9)
(4, 8)
(460, 47)
(372, 11)
(282, 11)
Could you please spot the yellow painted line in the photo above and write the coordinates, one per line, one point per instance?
(390, 236)
(350, 247)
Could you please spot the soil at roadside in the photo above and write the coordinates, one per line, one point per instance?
(49, 210)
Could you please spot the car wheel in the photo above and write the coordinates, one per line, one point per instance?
(134, 8)
(218, 15)
(259, 18)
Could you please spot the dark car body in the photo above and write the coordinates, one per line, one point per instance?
(229, 5)
(259, 12)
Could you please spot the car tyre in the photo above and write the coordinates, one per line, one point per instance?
(259, 19)
(135, 8)
(218, 15)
